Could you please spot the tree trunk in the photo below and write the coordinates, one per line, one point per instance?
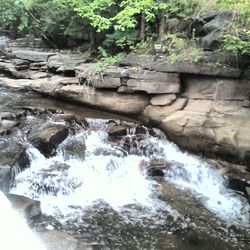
(142, 28)
(162, 26)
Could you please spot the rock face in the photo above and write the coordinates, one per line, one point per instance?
(218, 128)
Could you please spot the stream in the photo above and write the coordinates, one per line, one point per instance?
(119, 188)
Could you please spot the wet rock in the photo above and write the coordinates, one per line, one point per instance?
(155, 167)
(114, 129)
(47, 138)
(75, 148)
(57, 240)
(7, 125)
(5, 178)
(239, 185)
(27, 207)
(13, 153)
(10, 69)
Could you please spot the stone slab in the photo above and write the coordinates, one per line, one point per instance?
(32, 55)
(152, 87)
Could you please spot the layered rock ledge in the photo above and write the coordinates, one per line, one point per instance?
(202, 107)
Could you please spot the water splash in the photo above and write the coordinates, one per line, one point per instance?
(14, 232)
(101, 171)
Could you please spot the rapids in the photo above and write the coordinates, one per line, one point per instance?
(95, 187)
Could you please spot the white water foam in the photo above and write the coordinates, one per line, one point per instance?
(104, 172)
(14, 232)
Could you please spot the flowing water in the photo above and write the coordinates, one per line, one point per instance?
(14, 233)
(97, 188)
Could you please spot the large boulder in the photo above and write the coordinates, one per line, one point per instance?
(216, 128)
(47, 138)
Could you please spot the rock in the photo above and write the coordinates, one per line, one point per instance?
(22, 84)
(213, 40)
(220, 21)
(25, 206)
(39, 66)
(28, 42)
(155, 167)
(125, 90)
(246, 104)
(38, 75)
(162, 100)
(106, 100)
(10, 69)
(116, 72)
(225, 58)
(143, 61)
(33, 56)
(20, 62)
(7, 115)
(7, 125)
(239, 185)
(199, 69)
(217, 130)
(13, 154)
(57, 240)
(114, 129)
(216, 88)
(63, 117)
(5, 178)
(56, 61)
(48, 137)
(148, 75)
(104, 82)
(155, 114)
(151, 87)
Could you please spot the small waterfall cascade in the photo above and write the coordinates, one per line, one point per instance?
(14, 232)
(91, 172)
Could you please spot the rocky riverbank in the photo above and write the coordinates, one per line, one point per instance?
(202, 107)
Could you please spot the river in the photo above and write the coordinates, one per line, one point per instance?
(97, 188)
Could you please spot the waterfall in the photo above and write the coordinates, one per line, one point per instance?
(68, 183)
(14, 232)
